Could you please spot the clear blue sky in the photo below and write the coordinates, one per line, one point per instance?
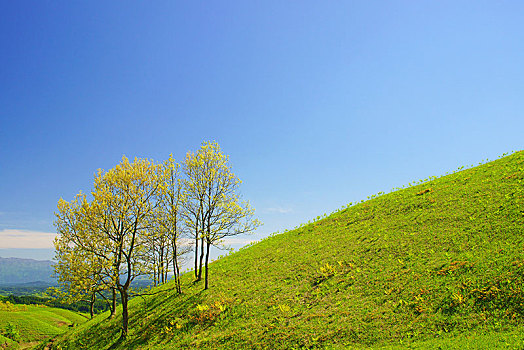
(318, 103)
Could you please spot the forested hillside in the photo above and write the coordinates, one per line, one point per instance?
(17, 271)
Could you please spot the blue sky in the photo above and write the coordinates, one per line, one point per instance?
(317, 103)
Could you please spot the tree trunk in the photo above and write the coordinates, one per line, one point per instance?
(92, 305)
(166, 270)
(161, 264)
(125, 315)
(201, 258)
(207, 260)
(202, 234)
(113, 307)
(176, 270)
(196, 255)
(178, 283)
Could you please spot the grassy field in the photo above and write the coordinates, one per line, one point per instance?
(22, 325)
(439, 264)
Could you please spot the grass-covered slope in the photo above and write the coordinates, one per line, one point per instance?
(439, 260)
(24, 324)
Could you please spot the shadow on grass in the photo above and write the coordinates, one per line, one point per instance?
(157, 314)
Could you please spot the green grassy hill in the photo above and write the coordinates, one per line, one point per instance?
(22, 325)
(436, 264)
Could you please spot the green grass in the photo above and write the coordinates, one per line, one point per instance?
(34, 323)
(436, 265)
(7, 343)
(469, 341)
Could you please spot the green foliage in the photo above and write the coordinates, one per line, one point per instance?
(213, 209)
(23, 290)
(441, 268)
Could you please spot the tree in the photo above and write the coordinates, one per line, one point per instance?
(214, 208)
(169, 216)
(81, 270)
(193, 209)
(156, 255)
(124, 203)
(78, 274)
(135, 222)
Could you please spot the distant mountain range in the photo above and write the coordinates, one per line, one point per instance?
(15, 271)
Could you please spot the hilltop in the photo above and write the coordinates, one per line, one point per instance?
(436, 263)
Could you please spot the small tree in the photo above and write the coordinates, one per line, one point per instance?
(193, 211)
(124, 202)
(213, 202)
(78, 275)
(157, 252)
(81, 270)
(168, 217)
